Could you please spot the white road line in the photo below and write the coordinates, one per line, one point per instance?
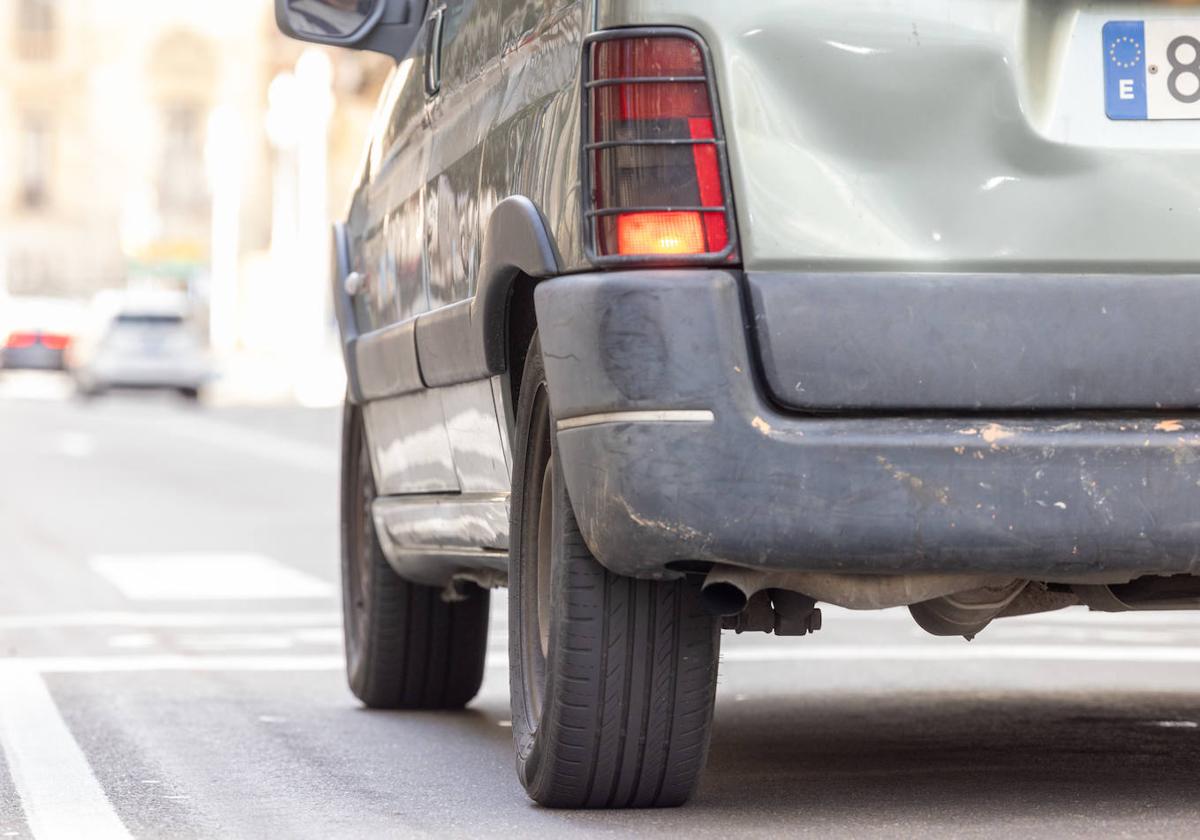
(258, 444)
(185, 620)
(172, 662)
(75, 444)
(1070, 615)
(1137, 654)
(59, 794)
(965, 652)
(206, 577)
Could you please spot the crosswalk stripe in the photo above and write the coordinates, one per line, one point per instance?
(232, 576)
(174, 662)
(170, 620)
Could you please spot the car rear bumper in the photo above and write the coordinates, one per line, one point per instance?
(37, 357)
(673, 453)
(899, 342)
(148, 374)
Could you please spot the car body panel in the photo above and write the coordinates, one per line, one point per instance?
(503, 124)
(386, 220)
(965, 135)
(926, 142)
(673, 455)
(956, 342)
(35, 332)
(439, 440)
(34, 356)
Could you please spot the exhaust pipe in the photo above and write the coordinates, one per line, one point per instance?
(722, 598)
(727, 589)
(1173, 592)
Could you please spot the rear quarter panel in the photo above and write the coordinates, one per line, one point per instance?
(532, 148)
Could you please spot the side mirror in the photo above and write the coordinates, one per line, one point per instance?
(386, 26)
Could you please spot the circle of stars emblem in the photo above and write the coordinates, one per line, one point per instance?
(1126, 58)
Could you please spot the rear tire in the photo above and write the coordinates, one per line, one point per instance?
(612, 678)
(406, 647)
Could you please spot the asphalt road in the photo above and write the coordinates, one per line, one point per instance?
(170, 667)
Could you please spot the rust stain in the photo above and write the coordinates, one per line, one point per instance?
(926, 495)
(994, 432)
(1169, 426)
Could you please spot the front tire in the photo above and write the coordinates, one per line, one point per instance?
(406, 647)
(612, 678)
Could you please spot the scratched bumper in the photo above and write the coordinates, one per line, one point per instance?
(672, 454)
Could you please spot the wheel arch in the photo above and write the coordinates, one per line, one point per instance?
(518, 250)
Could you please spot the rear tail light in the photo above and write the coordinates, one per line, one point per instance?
(654, 170)
(20, 339)
(53, 341)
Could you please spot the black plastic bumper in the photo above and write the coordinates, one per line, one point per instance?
(672, 453)
(886, 342)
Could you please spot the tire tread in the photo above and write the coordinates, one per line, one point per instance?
(419, 651)
(631, 672)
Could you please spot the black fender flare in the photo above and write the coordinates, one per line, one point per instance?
(462, 342)
(517, 242)
(467, 341)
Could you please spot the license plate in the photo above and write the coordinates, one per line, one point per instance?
(1152, 69)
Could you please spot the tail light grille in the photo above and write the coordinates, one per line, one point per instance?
(655, 173)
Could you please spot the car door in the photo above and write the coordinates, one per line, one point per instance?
(409, 446)
(464, 79)
(468, 77)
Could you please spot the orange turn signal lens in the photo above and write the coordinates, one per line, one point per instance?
(665, 233)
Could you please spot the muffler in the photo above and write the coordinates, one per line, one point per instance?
(727, 589)
(1172, 592)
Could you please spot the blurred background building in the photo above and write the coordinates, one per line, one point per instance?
(161, 142)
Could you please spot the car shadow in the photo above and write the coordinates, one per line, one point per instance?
(894, 764)
(916, 755)
(903, 764)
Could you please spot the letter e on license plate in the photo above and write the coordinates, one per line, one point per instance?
(1152, 69)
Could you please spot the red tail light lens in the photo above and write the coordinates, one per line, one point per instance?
(20, 339)
(53, 341)
(654, 157)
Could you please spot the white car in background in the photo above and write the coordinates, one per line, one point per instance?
(141, 340)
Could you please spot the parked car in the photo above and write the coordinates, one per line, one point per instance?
(141, 340)
(676, 316)
(37, 332)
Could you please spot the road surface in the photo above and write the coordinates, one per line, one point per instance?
(170, 666)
